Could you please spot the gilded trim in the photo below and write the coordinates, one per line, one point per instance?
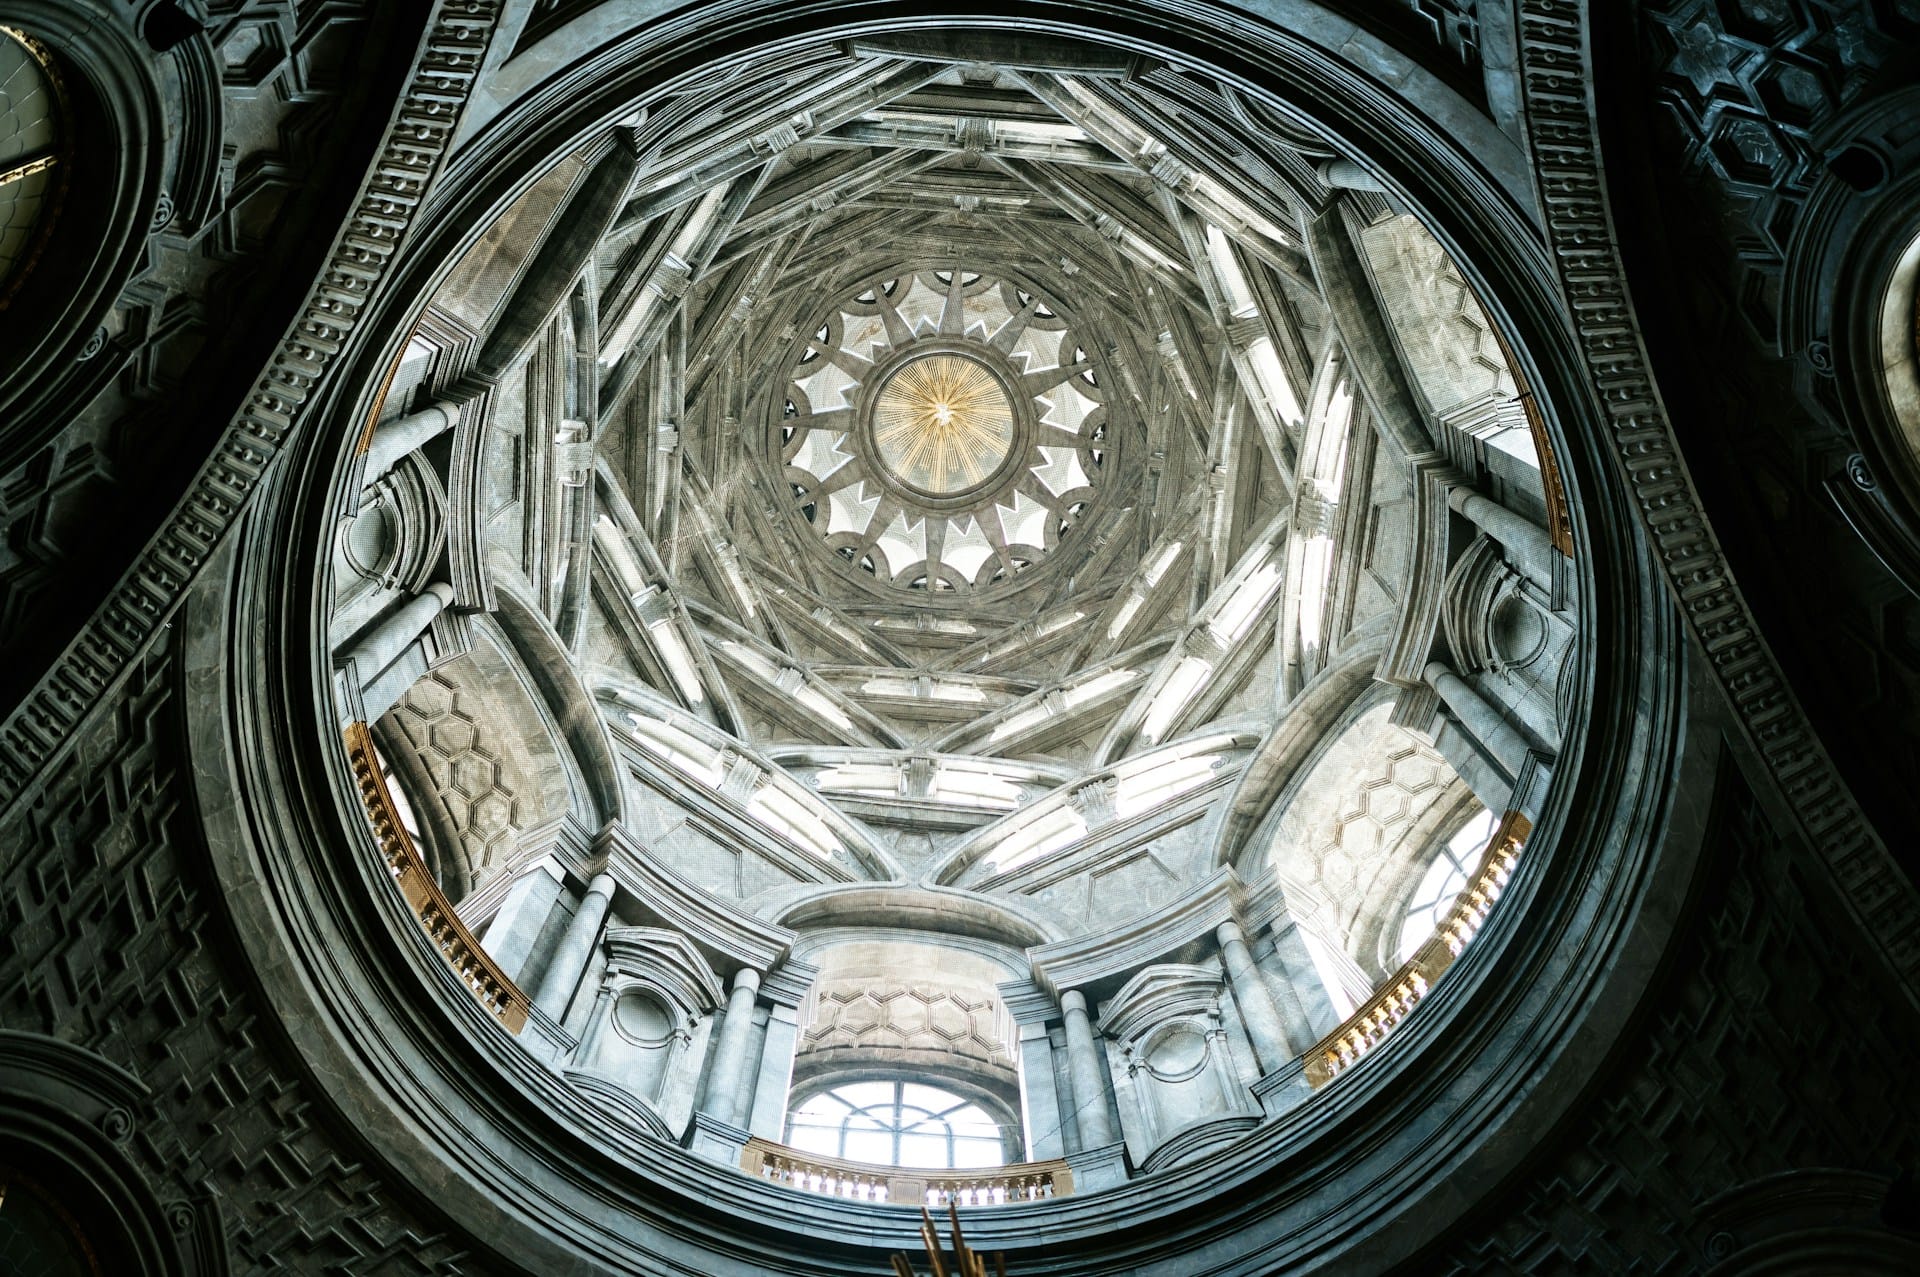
(61, 161)
(474, 965)
(1373, 1020)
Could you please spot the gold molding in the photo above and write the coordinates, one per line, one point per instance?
(38, 164)
(1559, 516)
(909, 1186)
(365, 443)
(463, 953)
(1395, 1000)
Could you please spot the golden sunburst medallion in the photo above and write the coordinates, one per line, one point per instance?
(942, 424)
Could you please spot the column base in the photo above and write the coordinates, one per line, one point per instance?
(1097, 1168)
(1284, 1089)
(544, 1037)
(717, 1141)
(1530, 786)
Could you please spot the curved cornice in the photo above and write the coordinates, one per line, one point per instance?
(1292, 742)
(1013, 923)
(566, 699)
(1554, 49)
(113, 203)
(442, 1096)
(871, 856)
(383, 216)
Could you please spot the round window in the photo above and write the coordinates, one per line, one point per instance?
(942, 424)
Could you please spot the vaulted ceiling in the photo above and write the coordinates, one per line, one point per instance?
(952, 460)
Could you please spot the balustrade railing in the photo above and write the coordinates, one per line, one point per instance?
(1370, 1024)
(901, 1185)
(463, 953)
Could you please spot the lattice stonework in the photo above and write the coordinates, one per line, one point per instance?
(943, 431)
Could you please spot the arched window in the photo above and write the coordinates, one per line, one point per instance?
(897, 1124)
(1441, 885)
(397, 795)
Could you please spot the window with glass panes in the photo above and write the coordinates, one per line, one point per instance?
(1445, 878)
(896, 1123)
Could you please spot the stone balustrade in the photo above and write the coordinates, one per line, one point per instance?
(904, 1186)
(1379, 1015)
(430, 905)
(1024, 1182)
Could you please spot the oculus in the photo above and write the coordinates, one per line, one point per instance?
(945, 430)
(942, 424)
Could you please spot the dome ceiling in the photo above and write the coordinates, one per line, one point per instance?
(729, 622)
(945, 443)
(944, 435)
(1027, 499)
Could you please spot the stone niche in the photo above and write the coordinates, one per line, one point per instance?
(1174, 1074)
(645, 1043)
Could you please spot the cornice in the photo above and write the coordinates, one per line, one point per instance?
(1092, 960)
(1557, 85)
(418, 135)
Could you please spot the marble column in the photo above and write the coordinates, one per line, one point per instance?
(583, 1055)
(1039, 1096)
(1043, 1101)
(728, 1077)
(783, 990)
(1255, 1001)
(1084, 1070)
(1307, 1010)
(383, 645)
(570, 960)
(523, 915)
(1479, 718)
(394, 439)
(1527, 545)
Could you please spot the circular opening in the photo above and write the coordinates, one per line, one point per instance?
(643, 1018)
(1178, 1055)
(1096, 716)
(1860, 166)
(942, 424)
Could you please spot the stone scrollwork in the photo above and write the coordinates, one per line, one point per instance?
(67, 1178)
(449, 59)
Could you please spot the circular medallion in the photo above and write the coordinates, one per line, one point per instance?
(942, 424)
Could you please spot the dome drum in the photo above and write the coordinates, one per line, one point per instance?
(679, 639)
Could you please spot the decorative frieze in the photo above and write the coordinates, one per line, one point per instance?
(1557, 86)
(35, 731)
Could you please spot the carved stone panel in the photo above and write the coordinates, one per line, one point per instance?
(648, 1031)
(1174, 1075)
